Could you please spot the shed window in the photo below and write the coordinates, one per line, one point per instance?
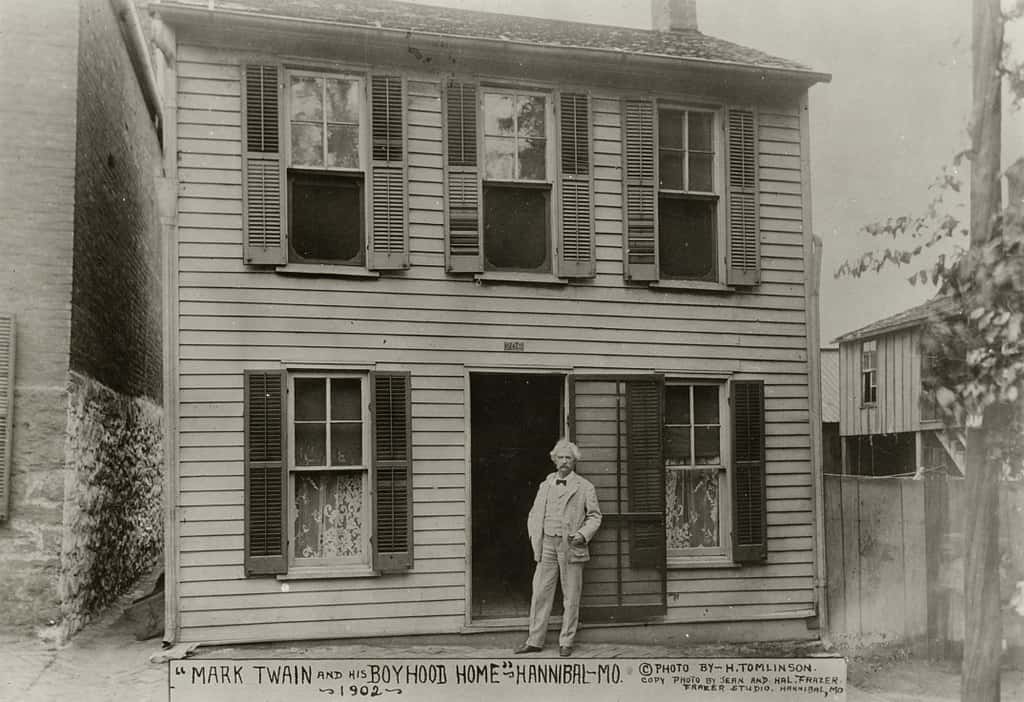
(517, 181)
(326, 167)
(869, 372)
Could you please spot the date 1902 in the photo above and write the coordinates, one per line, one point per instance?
(357, 691)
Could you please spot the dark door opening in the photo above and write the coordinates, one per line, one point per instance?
(515, 420)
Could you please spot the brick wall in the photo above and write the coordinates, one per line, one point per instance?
(38, 81)
(115, 318)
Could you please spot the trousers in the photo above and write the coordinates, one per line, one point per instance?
(554, 564)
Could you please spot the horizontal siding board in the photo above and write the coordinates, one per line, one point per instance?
(426, 624)
(325, 598)
(270, 587)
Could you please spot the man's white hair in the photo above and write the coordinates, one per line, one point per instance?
(566, 444)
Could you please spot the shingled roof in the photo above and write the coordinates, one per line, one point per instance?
(470, 24)
(936, 307)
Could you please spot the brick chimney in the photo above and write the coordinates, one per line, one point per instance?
(674, 15)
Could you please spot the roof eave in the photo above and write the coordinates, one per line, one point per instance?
(185, 14)
(870, 332)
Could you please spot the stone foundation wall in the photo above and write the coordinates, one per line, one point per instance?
(38, 86)
(113, 506)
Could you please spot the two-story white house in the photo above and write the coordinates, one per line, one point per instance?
(414, 247)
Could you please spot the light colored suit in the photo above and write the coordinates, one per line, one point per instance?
(557, 558)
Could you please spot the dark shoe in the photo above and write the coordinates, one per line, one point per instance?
(526, 648)
(565, 651)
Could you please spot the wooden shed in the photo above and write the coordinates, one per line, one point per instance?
(889, 421)
(415, 246)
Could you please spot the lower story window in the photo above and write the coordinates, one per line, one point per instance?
(325, 212)
(695, 470)
(329, 491)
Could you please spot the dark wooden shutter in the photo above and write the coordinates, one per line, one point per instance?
(266, 540)
(6, 410)
(262, 168)
(576, 250)
(749, 506)
(618, 584)
(640, 191)
(392, 471)
(462, 179)
(644, 420)
(389, 240)
(744, 262)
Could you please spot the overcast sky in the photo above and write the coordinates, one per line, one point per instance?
(895, 112)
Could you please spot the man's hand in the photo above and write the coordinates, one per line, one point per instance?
(578, 540)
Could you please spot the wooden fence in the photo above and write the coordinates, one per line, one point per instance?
(894, 555)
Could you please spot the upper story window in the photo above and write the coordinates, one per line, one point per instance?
(869, 372)
(690, 186)
(687, 200)
(326, 167)
(517, 181)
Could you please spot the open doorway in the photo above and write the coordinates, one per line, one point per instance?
(516, 418)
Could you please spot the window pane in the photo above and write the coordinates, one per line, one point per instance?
(329, 515)
(310, 444)
(516, 228)
(532, 162)
(307, 99)
(677, 446)
(345, 398)
(705, 404)
(691, 509)
(677, 404)
(342, 146)
(670, 129)
(343, 101)
(530, 113)
(346, 443)
(706, 446)
(326, 218)
(310, 399)
(307, 145)
(670, 170)
(700, 131)
(701, 173)
(686, 237)
(498, 117)
(499, 159)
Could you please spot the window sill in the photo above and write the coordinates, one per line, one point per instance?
(698, 285)
(326, 269)
(328, 572)
(528, 278)
(701, 562)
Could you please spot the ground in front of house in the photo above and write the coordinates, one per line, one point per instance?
(105, 663)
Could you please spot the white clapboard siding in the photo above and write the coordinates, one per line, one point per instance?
(232, 318)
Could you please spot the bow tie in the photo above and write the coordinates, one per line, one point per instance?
(559, 482)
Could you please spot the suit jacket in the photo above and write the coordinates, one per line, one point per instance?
(582, 515)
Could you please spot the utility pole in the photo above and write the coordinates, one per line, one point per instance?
(982, 625)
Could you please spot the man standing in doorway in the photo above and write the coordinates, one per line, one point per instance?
(563, 520)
